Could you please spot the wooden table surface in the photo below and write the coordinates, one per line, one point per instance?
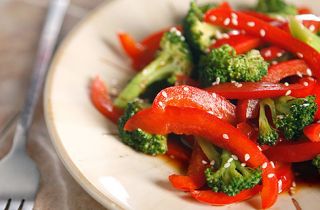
(20, 25)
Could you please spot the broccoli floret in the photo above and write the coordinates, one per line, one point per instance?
(138, 139)
(198, 33)
(267, 134)
(276, 7)
(293, 114)
(223, 65)
(299, 31)
(174, 58)
(232, 177)
(316, 162)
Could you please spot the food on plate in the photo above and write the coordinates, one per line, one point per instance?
(233, 94)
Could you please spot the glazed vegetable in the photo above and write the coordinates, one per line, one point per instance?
(231, 177)
(223, 65)
(198, 33)
(275, 7)
(293, 114)
(316, 162)
(267, 134)
(173, 59)
(138, 139)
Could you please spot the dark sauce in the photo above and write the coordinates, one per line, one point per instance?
(306, 175)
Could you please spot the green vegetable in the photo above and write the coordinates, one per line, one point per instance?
(199, 34)
(231, 177)
(293, 114)
(275, 7)
(174, 58)
(138, 139)
(316, 162)
(267, 134)
(299, 31)
(223, 65)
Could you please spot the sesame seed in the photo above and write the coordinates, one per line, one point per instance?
(226, 21)
(234, 21)
(272, 164)
(218, 35)
(305, 83)
(262, 33)
(267, 53)
(279, 54)
(212, 162)
(234, 15)
(217, 82)
(213, 18)
(173, 29)
(227, 165)
(172, 156)
(274, 62)
(185, 88)
(211, 112)
(299, 74)
(204, 162)
(286, 84)
(213, 41)
(264, 165)
(161, 104)
(235, 157)
(225, 136)
(230, 160)
(243, 164)
(294, 184)
(251, 24)
(300, 55)
(259, 148)
(238, 85)
(288, 92)
(309, 72)
(225, 36)
(280, 117)
(312, 27)
(246, 157)
(164, 94)
(279, 186)
(214, 95)
(270, 175)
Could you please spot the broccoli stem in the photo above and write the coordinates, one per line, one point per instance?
(210, 151)
(299, 31)
(155, 71)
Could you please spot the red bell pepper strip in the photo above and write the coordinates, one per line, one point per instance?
(220, 199)
(102, 101)
(304, 10)
(178, 150)
(192, 97)
(242, 43)
(255, 90)
(131, 47)
(195, 177)
(285, 69)
(267, 32)
(312, 132)
(246, 129)
(258, 15)
(285, 176)
(247, 109)
(293, 151)
(271, 53)
(191, 121)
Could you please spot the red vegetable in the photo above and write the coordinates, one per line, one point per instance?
(221, 17)
(102, 101)
(312, 132)
(130, 46)
(304, 10)
(219, 199)
(183, 183)
(293, 151)
(285, 69)
(255, 90)
(258, 15)
(178, 150)
(242, 43)
(187, 96)
(285, 176)
(271, 53)
(191, 121)
(247, 109)
(246, 129)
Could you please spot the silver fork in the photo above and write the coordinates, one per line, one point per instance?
(19, 176)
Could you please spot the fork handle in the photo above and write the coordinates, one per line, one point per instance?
(49, 36)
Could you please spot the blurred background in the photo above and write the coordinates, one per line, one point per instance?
(21, 22)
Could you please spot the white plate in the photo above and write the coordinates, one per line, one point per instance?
(111, 172)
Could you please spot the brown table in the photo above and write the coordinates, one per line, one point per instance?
(20, 26)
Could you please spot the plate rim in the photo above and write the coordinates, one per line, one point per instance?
(48, 116)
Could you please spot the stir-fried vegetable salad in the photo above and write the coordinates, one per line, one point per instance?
(233, 94)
